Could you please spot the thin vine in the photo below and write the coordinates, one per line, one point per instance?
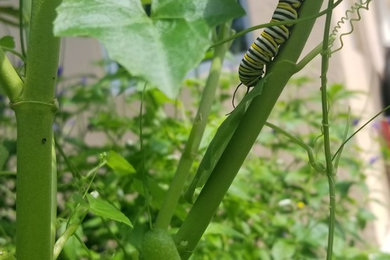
(325, 128)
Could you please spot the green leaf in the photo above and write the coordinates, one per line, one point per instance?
(104, 209)
(214, 12)
(8, 42)
(160, 49)
(119, 164)
(283, 250)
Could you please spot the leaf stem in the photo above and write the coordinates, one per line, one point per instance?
(309, 57)
(299, 142)
(9, 78)
(75, 221)
(192, 145)
(358, 130)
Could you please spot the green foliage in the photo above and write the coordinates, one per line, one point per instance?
(119, 164)
(172, 40)
(283, 200)
(277, 207)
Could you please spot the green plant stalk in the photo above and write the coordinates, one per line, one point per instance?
(21, 28)
(243, 138)
(9, 78)
(191, 149)
(74, 223)
(35, 114)
(325, 128)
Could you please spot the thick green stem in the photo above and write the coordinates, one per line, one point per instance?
(325, 129)
(192, 146)
(42, 54)
(35, 111)
(245, 135)
(9, 78)
(34, 198)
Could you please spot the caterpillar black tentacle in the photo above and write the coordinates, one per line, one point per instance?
(265, 48)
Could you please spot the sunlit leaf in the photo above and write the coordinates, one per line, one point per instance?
(102, 208)
(119, 164)
(160, 49)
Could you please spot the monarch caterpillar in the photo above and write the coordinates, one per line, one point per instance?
(264, 49)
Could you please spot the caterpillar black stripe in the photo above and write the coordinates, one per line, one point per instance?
(264, 49)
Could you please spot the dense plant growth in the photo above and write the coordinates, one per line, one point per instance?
(122, 149)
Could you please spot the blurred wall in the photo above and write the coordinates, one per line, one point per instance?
(359, 66)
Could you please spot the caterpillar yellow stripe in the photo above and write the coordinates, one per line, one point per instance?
(264, 49)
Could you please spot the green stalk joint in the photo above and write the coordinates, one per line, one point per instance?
(35, 105)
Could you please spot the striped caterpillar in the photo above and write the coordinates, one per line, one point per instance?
(264, 49)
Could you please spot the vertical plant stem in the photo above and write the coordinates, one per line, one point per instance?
(190, 151)
(325, 129)
(35, 114)
(21, 28)
(245, 135)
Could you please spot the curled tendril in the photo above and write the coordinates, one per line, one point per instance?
(349, 16)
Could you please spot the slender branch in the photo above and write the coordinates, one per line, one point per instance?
(325, 128)
(74, 222)
(73, 169)
(9, 78)
(358, 130)
(21, 28)
(318, 167)
(309, 57)
(192, 145)
(142, 170)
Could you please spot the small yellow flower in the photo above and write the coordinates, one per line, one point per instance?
(300, 205)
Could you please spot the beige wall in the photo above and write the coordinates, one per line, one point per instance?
(359, 66)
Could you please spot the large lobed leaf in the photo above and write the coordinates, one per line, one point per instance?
(160, 49)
